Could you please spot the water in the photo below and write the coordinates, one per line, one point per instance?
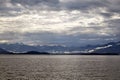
(59, 67)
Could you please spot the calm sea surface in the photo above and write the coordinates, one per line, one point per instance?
(59, 67)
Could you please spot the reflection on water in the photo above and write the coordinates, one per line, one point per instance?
(59, 67)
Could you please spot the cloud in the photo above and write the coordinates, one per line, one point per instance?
(68, 22)
(34, 2)
(82, 4)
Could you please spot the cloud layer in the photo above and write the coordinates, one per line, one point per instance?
(68, 22)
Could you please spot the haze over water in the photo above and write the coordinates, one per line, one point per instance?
(59, 67)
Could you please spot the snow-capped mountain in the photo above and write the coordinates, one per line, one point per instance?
(113, 47)
(21, 48)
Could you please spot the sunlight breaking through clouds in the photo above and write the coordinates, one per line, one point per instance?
(59, 21)
(51, 21)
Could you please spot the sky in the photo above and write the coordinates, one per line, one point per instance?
(59, 22)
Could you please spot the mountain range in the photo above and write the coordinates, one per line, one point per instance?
(2, 51)
(112, 47)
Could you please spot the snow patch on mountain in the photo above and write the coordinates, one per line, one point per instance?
(103, 47)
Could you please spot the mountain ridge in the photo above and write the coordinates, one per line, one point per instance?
(112, 47)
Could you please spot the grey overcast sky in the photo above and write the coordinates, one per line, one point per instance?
(62, 22)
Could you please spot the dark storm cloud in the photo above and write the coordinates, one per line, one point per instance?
(34, 2)
(25, 6)
(38, 4)
(6, 7)
(83, 4)
(113, 6)
(70, 4)
(110, 5)
(106, 14)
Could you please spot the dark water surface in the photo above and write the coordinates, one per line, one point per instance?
(59, 67)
